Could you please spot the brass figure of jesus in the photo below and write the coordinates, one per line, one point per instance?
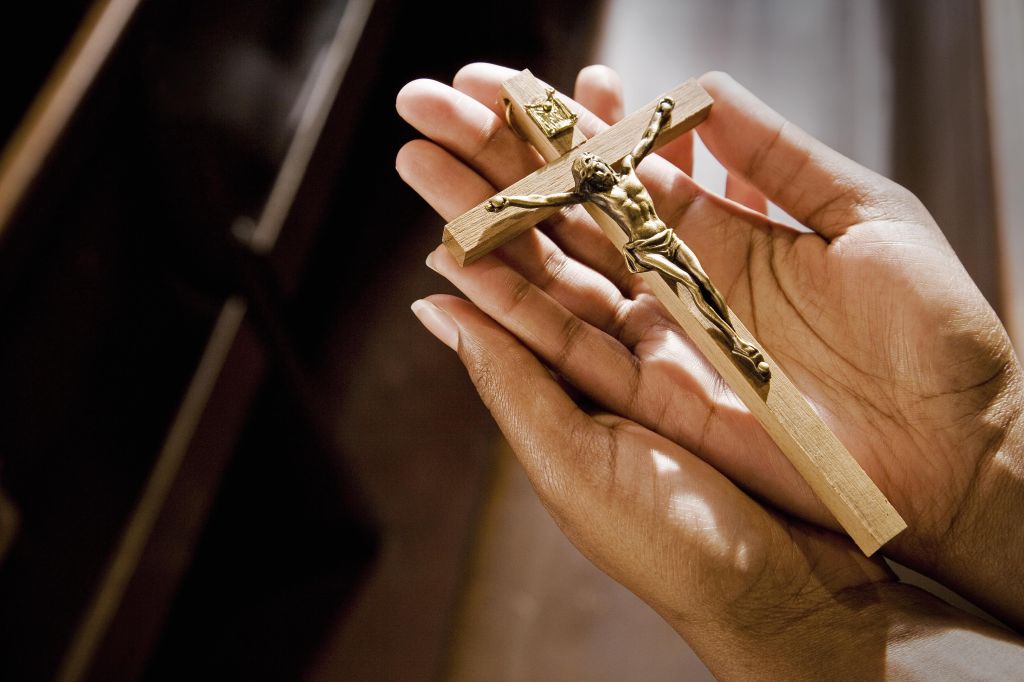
(652, 245)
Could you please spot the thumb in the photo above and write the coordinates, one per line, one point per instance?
(815, 184)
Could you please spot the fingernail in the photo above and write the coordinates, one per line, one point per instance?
(430, 264)
(438, 322)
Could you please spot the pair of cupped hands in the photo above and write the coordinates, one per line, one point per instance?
(669, 484)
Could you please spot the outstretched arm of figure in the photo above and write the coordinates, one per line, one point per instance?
(535, 201)
(646, 143)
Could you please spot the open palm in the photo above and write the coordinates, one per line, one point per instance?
(869, 312)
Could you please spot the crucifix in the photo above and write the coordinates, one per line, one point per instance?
(600, 174)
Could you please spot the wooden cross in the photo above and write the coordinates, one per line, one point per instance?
(830, 470)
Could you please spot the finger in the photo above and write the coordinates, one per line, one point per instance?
(551, 436)
(482, 81)
(742, 192)
(450, 188)
(599, 89)
(468, 129)
(593, 361)
(584, 292)
(816, 185)
(679, 152)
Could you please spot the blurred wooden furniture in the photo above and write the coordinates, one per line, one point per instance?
(157, 201)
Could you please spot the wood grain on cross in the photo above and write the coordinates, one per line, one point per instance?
(830, 470)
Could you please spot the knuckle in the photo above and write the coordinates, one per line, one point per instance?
(489, 134)
(519, 289)
(761, 156)
(554, 266)
(621, 317)
(573, 331)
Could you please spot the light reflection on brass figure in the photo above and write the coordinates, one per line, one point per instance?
(652, 244)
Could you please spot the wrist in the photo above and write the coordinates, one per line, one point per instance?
(872, 631)
(928, 639)
(979, 555)
(841, 636)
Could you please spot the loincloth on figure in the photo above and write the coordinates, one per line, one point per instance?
(663, 243)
